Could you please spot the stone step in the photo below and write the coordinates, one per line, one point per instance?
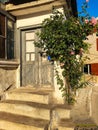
(62, 111)
(66, 125)
(10, 121)
(30, 109)
(65, 128)
(63, 124)
(34, 89)
(29, 94)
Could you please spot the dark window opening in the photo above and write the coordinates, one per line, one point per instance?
(2, 36)
(6, 37)
(87, 69)
(2, 47)
(16, 2)
(2, 25)
(91, 69)
(10, 39)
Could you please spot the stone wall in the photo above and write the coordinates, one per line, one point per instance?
(7, 78)
(94, 104)
(81, 110)
(93, 52)
(85, 110)
(9, 74)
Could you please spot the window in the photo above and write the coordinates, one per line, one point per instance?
(91, 69)
(2, 36)
(87, 68)
(10, 39)
(6, 37)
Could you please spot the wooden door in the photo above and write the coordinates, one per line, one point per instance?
(35, 69)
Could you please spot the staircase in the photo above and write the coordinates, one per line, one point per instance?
(29, 108)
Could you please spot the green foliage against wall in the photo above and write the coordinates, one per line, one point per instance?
(63, 40)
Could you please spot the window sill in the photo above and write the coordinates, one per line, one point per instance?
(9, 63)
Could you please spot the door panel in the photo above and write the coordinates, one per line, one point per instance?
(35, 70)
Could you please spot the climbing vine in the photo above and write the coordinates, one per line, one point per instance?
(63, 40)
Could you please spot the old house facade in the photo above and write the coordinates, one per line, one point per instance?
(20, 61)
(21, 21)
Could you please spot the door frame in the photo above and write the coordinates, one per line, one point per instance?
(20, 30)
(19, 46)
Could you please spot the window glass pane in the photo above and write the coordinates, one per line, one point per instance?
(87, 68)
(30, 46)
(27, 57)
(6, 37)
(10, 39)
(2, 47)
(30, 36)
(32, 57)
(2, 25)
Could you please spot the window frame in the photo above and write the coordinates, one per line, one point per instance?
(91, 69)
(87, 69)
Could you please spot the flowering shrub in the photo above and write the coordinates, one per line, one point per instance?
(64, 42)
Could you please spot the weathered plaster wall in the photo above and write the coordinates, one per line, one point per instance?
(57, 93)
(32, 20)
(85, 110)
(94, 104)
(82, 108)
(93, 53)
(8, 78)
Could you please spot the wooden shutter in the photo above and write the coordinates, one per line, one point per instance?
(97, 44)
(94, 69)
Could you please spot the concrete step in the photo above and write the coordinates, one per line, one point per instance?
(10, 121)
(62, 111)
(30, 94)
(30, 109)
(65, 128)
(65, 124)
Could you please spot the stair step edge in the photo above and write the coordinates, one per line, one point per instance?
(29, 103)
(66, 123)
(4, 116)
